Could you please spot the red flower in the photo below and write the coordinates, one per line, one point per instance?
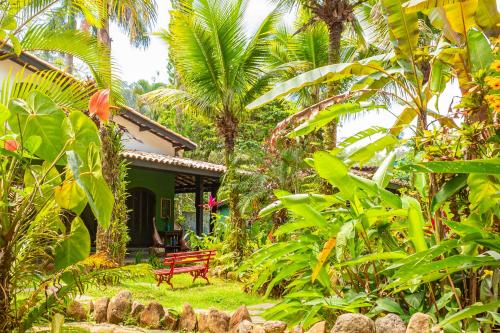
(10, 145)
(212, 202)
(99, 104)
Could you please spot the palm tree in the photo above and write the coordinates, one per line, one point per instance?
(337, 15)
(308, 49)
(135, 18)
(221, 68)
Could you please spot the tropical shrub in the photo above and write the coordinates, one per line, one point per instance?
(367, 249)
(51, 169)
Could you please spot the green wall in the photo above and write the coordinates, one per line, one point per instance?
(161, 183)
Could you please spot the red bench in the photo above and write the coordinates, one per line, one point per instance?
(195, 263)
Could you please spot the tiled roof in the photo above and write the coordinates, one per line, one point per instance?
(173, 161)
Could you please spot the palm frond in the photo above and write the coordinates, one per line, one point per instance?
(81, 45)
(136, 18)
(64, 90)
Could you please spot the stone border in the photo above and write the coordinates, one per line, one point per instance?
(122, 310)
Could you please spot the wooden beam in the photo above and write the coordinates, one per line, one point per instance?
(199, 205)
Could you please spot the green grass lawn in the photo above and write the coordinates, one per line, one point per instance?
(221, 294)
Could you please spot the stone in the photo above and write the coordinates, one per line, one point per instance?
(258, 329)
(238, 316)
(119, 307)
(152, 315)
(246, 326)
(76, 311)
(217, 321)
(137, 308)
(203, 322)
(170, 321)
(353, 323)
(297, 329)
(187, 321)
(319, 327)
(101, 310)
(91, 307)
(390, 323)
(274, 326)
(419, 323)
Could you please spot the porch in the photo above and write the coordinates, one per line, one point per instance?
(153, 181)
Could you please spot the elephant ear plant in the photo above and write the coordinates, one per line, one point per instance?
(50, 169)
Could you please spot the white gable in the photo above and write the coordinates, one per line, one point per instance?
(143, 140)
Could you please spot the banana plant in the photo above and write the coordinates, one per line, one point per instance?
(412, 74)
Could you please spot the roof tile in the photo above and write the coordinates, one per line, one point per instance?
(172, 160)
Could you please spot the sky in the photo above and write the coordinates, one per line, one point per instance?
(150, 64)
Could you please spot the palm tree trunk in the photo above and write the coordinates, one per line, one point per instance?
(227, 127)
(68, 58)
(335, 33)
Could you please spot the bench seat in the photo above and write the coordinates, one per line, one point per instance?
(195, 263)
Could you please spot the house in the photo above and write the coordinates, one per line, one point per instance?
(157, 169)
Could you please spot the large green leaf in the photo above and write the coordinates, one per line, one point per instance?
(324, 117)
(416, 223)
(383, 174)
(367, 152)
(480, 51)
(335, 172)
(75, 247)
(484, 192)
(88, 175)
(71, 196)
(403, 29)
(454, 19)
(422, 272)
(448, 189)
(39, 116)
(487, 15)
(83, 133)
(320, 75)
(403, 120)
(469, 312)
(487, 166)
(361, 135)
(414, 6)
(373, 257)
(370, 186)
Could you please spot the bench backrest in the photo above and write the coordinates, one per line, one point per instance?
(189, 258)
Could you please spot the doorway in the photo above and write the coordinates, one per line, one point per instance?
(141, 203)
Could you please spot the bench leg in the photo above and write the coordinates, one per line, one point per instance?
(163, 278)
(168, 281)
(203, 274)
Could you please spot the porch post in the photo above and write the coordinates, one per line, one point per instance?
(198, 201)
(213, 211)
